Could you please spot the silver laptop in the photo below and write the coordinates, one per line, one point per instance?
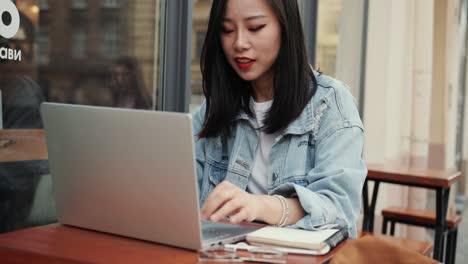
(131, 173)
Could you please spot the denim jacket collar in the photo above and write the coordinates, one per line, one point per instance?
(307, 121)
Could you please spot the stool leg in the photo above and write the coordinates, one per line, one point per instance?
(392, 228)
(384, 225)
(451, 249)
(455, 237)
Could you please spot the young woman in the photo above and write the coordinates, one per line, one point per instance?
(275, 141)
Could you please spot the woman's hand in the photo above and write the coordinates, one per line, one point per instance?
(228, 200)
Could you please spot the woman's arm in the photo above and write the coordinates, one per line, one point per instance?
(272, 210)
(332, 197)
(228, 200)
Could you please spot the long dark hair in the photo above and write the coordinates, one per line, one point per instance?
(227, 94)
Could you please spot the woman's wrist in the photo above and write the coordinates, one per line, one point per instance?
(273, 212)
(270, 209)
(284, 210)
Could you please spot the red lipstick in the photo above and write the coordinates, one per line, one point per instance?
(243, 62)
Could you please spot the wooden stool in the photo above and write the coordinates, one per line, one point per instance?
(424, 218)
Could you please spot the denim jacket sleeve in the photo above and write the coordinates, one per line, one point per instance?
(333, 195)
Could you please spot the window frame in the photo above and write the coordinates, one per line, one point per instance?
(309, 17)
(173, 93)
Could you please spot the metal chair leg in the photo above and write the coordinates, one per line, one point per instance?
(392, 228)
(384, 225)
(454, 249)
(451, 247)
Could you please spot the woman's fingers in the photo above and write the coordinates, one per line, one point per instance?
(227, 209)
(224, 192)
(242, 215)
(228, 200)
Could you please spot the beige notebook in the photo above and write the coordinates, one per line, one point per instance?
(297, 238)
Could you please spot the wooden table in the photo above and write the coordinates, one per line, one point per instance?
(22, 144)
(60, 244)
(438, 180)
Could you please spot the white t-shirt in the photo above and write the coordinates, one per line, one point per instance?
(258, 181)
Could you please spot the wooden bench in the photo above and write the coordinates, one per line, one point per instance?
(424, 218)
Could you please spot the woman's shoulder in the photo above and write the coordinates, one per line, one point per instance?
(329, 87)
(334, 104)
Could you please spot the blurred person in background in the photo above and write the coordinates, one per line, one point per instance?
(127, 85)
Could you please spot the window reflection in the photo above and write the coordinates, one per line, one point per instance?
(43, 4)
(110, 40)
(42, 39)
(112, 3)
(93, 52)
(128, 90)
(21, 98)
(79, 41)
(201, 11)
(79, 4)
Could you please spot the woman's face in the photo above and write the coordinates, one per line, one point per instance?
(251, 38)
(120, 74)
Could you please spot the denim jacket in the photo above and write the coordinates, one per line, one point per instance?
(317, 158)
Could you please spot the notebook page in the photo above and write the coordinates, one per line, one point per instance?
(293, 235)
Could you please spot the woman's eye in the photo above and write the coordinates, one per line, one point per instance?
(227, 31)
(257, 28)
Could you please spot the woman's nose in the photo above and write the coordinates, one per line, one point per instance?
(241, 42)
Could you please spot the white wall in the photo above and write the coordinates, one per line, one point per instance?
(421, 77)
(452, 69)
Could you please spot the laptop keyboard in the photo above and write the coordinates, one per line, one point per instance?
(210, 233)
(217, 231)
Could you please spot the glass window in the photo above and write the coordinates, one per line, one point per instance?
(92, 52)
(79, 4)
(79, 41)
(340, 42)
(201, 11)
(328, 37)
(112, 3)
(76, 51)
(43, 4)
(42, 45)
(109, 58)
(200, 39)
(110, 40)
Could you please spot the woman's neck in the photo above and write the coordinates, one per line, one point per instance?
(262, 89)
